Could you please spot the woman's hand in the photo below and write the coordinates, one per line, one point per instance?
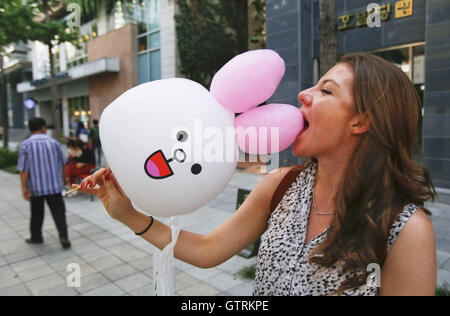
(103, 184)
(80, 165)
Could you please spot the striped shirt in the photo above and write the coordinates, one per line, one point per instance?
(42, 158)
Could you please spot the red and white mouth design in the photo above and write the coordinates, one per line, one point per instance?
(157, 166)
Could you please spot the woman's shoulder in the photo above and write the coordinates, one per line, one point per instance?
(411, 223)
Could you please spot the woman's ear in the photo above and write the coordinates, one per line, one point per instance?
(360, 124)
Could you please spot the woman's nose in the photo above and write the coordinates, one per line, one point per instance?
(305, 99)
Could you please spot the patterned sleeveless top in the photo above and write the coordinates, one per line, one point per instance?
(283, 261)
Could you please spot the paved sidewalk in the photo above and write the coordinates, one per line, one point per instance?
(114, 261)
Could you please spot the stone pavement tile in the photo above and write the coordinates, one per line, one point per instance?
(16, 290)
(100, 236)
(5, 271)
(88, 247)
(13, 245)
(443, 277)
(443, 243)
(199, 289)
(106, 290)
(236, 264)
(59, 290)
(133, 254)
(203, 274)
(76, 242)
(119, 272)
(244, 289)
(144, 291)
(91, 282)
(442, 259)
(27, 264)
(121, 248)
(144, 263)
(442, 227)
(9, 280)
(21, 256)
(85, 268)
(95, 255)
(224, 281)
(45, 283)
(447, 267)
(134, 282)
(184, 280)
(107, 263)
(58, 256)
(106, 243)
(35, 273)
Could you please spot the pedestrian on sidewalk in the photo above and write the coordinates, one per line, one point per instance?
(94, 137)
(41, 162)
(80, 164)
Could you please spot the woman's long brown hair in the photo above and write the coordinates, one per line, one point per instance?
(382, 177)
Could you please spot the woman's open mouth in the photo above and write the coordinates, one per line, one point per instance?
(305, 124)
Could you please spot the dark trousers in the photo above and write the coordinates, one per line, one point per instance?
(57, 208)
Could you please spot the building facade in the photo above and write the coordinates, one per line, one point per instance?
(413, 34)
(133, 44)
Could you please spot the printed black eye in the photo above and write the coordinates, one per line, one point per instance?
(196, 169)
(182, 136)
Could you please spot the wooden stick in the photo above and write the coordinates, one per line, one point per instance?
(73, 190)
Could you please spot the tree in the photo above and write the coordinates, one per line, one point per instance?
(16, 25)
(204, 43)
(51, 33)
(210, 33)
(328, 35)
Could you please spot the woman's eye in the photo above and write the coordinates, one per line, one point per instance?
(327, 92)
(182, 136)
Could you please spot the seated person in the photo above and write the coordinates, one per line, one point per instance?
(81, 160)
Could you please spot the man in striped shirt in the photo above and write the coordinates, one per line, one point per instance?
(41, 163)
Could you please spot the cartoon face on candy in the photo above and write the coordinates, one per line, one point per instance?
(173, 145)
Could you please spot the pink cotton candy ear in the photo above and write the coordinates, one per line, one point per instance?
(248, 80)
(268, 129)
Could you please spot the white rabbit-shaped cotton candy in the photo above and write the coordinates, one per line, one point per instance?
(172, 144)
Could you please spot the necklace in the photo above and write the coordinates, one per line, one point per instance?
(316, 210)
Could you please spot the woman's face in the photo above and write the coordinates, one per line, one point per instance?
(328, 109)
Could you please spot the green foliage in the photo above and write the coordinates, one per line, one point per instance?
(8, 158)
(249, 272)
(211, 32)
(443, 291)
(15, 22)
(204, 42)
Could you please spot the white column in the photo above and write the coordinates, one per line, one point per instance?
(65, 112)
(169, 64)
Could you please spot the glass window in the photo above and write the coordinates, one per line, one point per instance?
(142, 44)
(155, 40)
(143, 69)
(154, 14)
(155, 58)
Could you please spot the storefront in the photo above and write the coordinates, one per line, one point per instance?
(412, 34)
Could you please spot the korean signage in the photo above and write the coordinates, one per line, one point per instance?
(376, 13)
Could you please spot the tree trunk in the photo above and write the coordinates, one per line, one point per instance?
(329, 36)
(53, 87)
(4, 102)
(54, 95)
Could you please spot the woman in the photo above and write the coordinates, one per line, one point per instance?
(356, 205)
(81, 160)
